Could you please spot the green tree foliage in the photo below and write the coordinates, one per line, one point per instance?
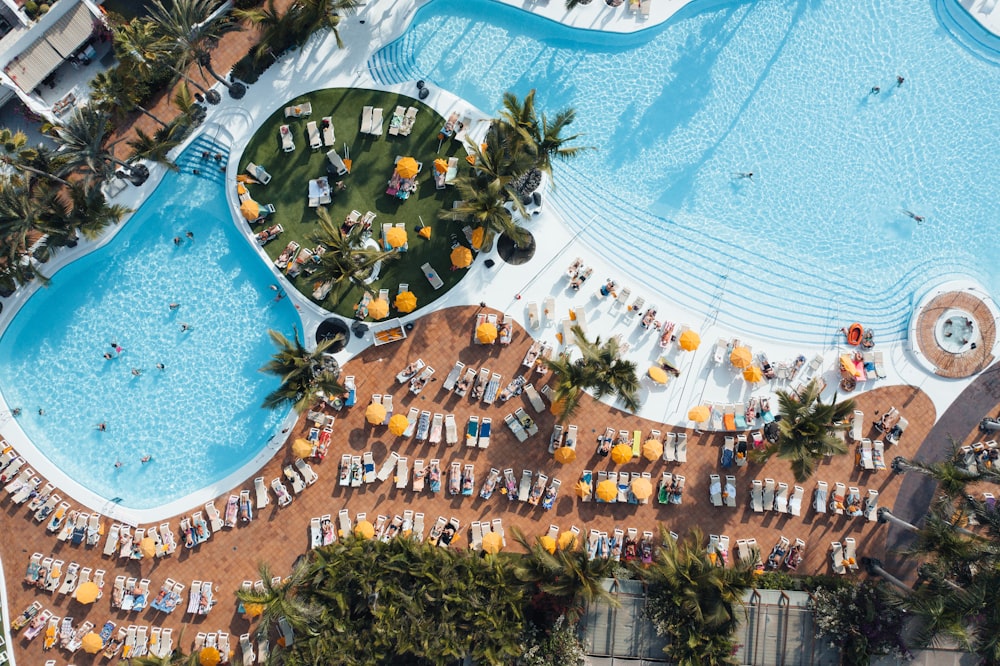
(306, 376)
(860, 620)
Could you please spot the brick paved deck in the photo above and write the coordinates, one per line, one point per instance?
(278, 536)
(967, 363)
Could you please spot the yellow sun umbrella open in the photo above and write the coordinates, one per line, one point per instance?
(642, 488)
(565, 454)
(252, 610)
(486, 333)
(398, 424)
(621, 453)
(87, 593)
(607, 490)
(364, 529)
(406, 301)
(302, 448)
(753, 374)
(396, 237)
(461, 257)
(567, 540)
(147, 547)
(92, 643)
(652, 450)
(582, 488)
(424, 232)
(209, 656)
(492, 542)
(477, 237)
(407, 167)
(741, 357)
(689, 340)
(378, 309)
(250, 209)
(658, 374)
(699, 414)
(548, 543)
(441, 165)
(375, 413)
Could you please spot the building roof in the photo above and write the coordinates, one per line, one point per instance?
(52, 47)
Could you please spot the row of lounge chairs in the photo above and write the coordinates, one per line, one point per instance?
(844, 556)
(846, 500)
(978, 458)
(771, 496)
(870, 455)
(736, 449)
(621, 545)
(401, 123)
(740, 416)
(47, 574)
(548, 310)
(372, 121)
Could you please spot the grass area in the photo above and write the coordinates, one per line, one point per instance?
(373, 159)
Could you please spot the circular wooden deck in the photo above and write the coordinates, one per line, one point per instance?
(946, 363)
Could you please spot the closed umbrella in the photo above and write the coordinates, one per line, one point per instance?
(658, 374)
(407, 167)
(621, 453)
(642, 488)
(378, 309)
(303, 448)
(753, 374)
(477, 237)
(250, 209)
(699, 414)
(492, 542)
(461, 257)
(689, 340)
(398, 424)
(209, 656)
(92, 643)
(652, 449)
(396, 237)
(147, 547)
(440, 165)
(741, 357)
(582, 488)
(406, 302)
(548, 543)
(486, 333)
(375, 413)
(364, 529)
(567, 541)
(87, 593)
(565, 454)
(607, 490)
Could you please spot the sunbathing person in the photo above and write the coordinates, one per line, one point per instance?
(774, 559)
(410, 370)
(648, 318)
(580, 278)
(631, 549)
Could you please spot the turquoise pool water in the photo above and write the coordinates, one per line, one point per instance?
(780, 88)
(200, 417)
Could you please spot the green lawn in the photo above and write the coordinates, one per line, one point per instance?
(373, 158)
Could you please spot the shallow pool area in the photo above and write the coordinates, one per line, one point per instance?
(199, 418)
(827, 228)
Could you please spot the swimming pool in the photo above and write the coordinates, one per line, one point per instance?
(782, 89)
(200, 417)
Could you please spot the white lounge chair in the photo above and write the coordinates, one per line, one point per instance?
(819, 501)
(366, 120)
(287, 140)
(757, 496)
(329, 138)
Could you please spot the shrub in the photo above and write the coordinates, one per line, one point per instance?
(558, 647)
(775, 580)
(31, 9)
(859, 621)
(43, 9)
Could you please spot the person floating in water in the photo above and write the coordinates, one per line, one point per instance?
(875, 90)
(184, 326)
(102, 426)
(160, 366)
(177, 240)
(41, 412)
(174, 306)
(899, 81)
(145, 459)
(136, 371)
(190, 235)
(16, 411)
(107, 356)
(918, 218)
(748, 175)
(118, 463)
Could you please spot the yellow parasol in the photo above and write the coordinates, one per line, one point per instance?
(621, 453)
(699, 414)
(477, 237)
(607, 490)
(582, 488)
(565, 454)
(486, 333)
(250, 209)
(209, 656)
(396, 237)
(407, 167)
(642, 488)
(375, 413)
(424, 232)
(406, 302)
(658, 374)
(252, 610)
(378, 309)
(689, 340)
(302, 448)
(741, 357)
(548, 543)
(567, 541)
(440, 165)
(652, 450)
(492, 542)
(241, 189)
(461, 257)
(87, 593)
(92, 643)
(147, 547)
(364, 529)
(398, 424)
(753, 374)
(557, 406)
(847, 365)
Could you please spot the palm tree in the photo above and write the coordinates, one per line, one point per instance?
(281, 598)
(82, 135)
(306, 377)
(155, 148)
(29, 209)
(313, 15)
(484, 208)
(40, 161)
(274, 27)
(541, 139)
(807, 430)
(113, 92)
(193, 28)
(600, 368)
(91, 212)
(347, 262)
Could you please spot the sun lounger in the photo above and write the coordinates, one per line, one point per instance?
(880, 365)
(284, 498)
(450, 430)
(214, 518)
(781, 498)
(336, 162)
(326, 125)
(408, 120)
(515, 426)
(681, 452)
(69, 581)
(484, 433)
(490, 484)
(768, 498)
(493, 386)
(729, 491)
(837, 558)
(377, 122)
(819, 501)
(299, 110)
(510, 484)
(434, 475)
(878, 455)
(857, 423)
(453, 375)
(795, 502)
(312, 131)
(837, 502)
(524, 489)
(715, 489)
(419, 474)
(259, 173)
(465, 383)
(418, 383)
(298, 484)
(757, 496)
(366, 120)
(287, 141)
(389, 466)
